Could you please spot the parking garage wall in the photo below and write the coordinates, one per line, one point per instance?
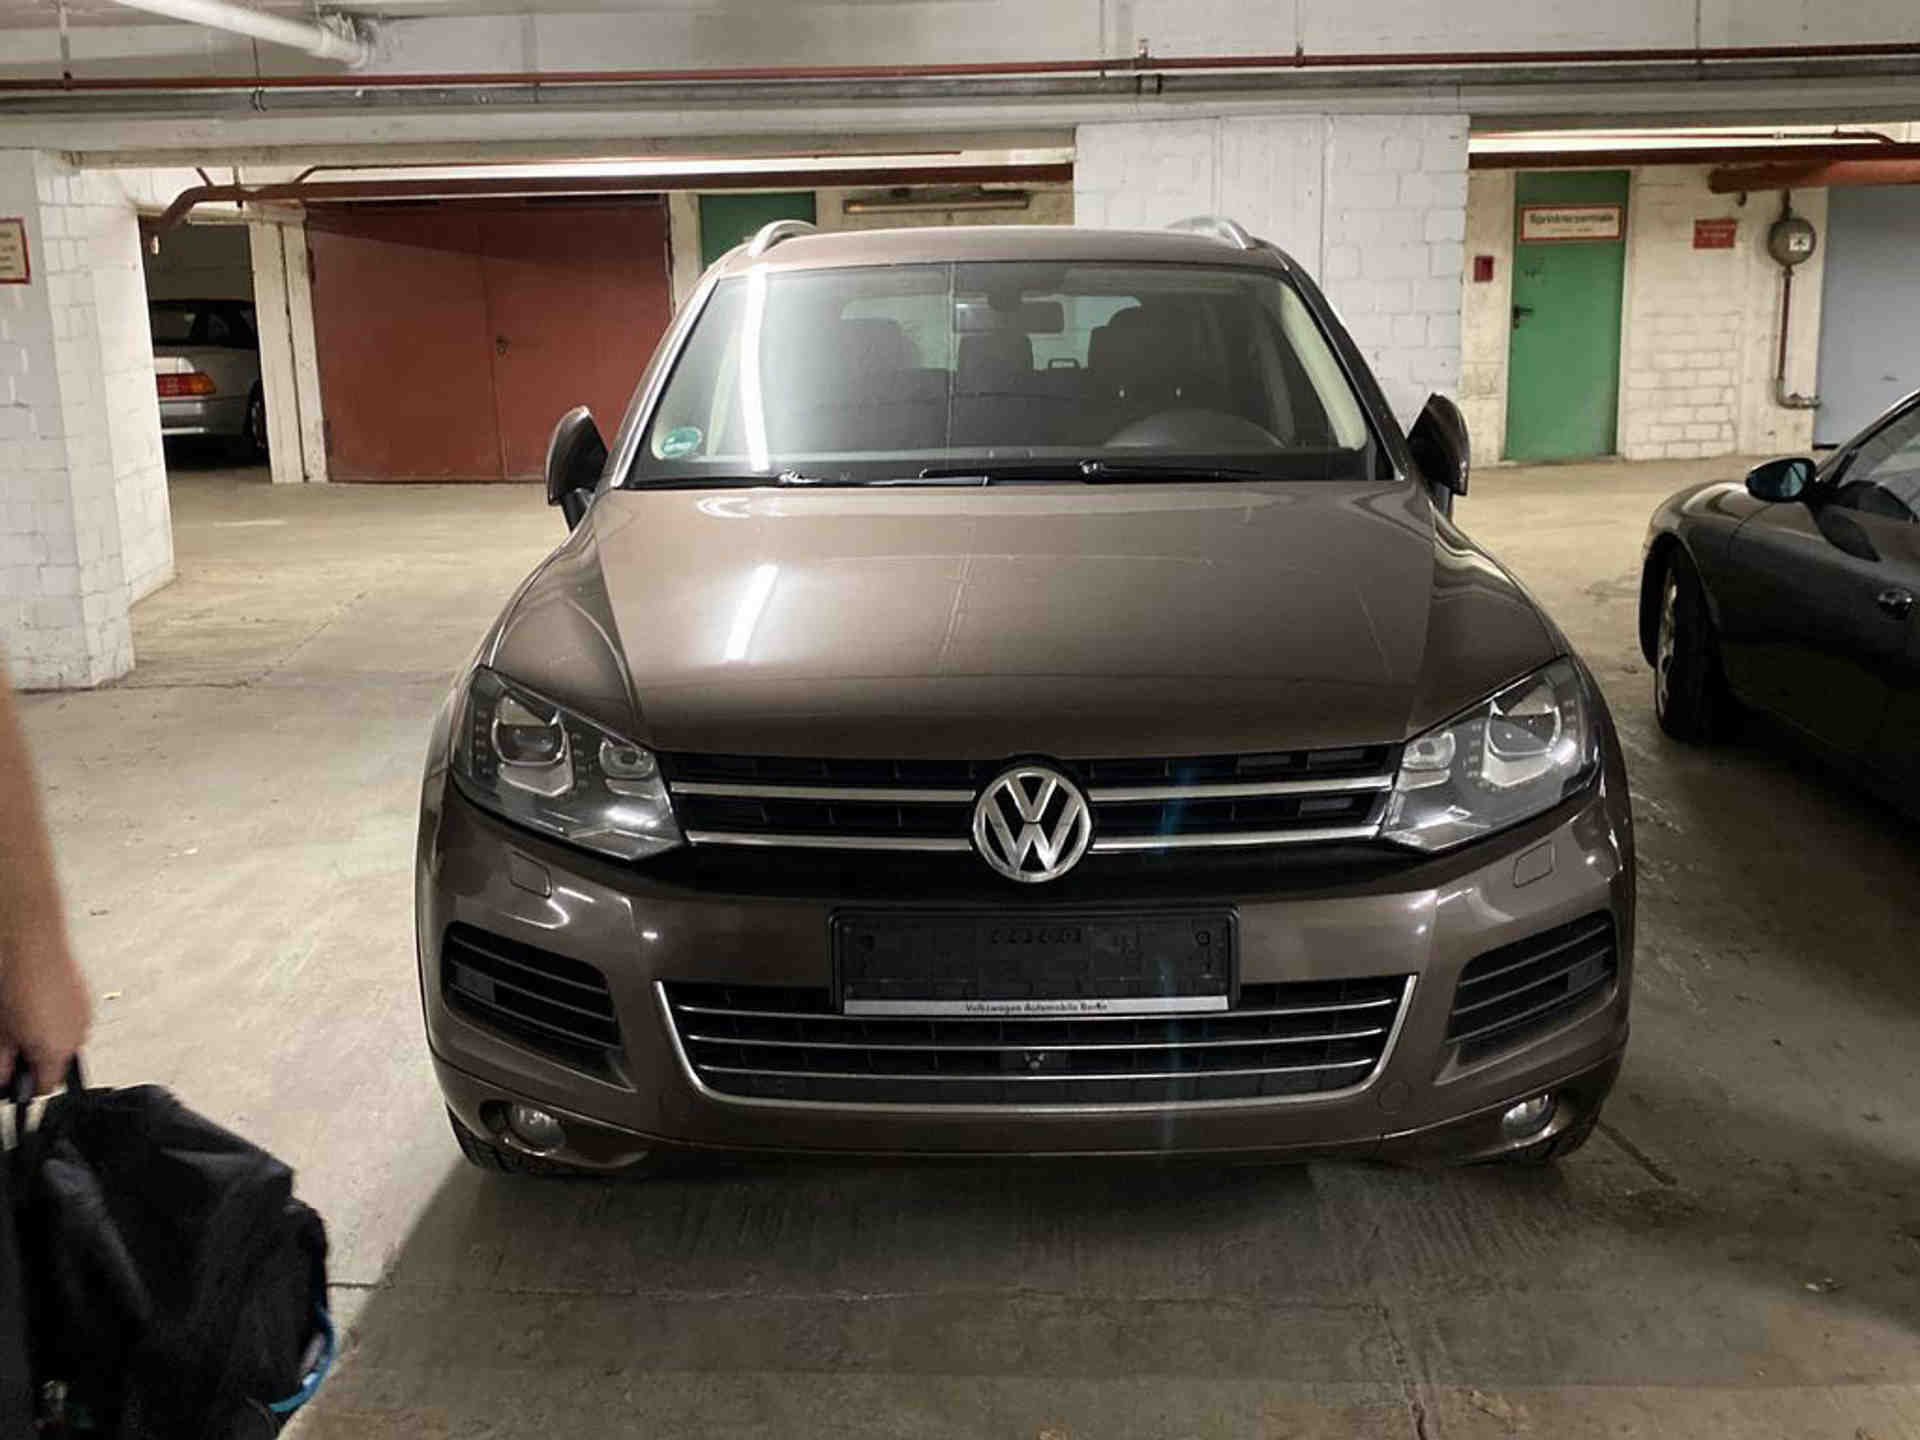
(1486, 311)
(1046, 205)
(1373, 206)
(123, 335)
(84, 522)
(1700, 327)
(201, 262)
(710, 33)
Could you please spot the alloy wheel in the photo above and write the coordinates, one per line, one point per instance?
(1664, 652)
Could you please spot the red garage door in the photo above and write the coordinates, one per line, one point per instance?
(451, 337)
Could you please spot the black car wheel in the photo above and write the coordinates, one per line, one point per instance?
(253, 438)
(1688, 696)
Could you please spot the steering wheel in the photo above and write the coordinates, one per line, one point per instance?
(1194, 430)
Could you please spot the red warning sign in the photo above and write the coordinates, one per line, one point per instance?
(1714, 234)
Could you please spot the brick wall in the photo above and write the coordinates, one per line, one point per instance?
(103, 216)
(1486, 313)
(1680, 333)
(1373, 206)
(1700, 329)
(1396, 210)
(1764, 426)
(84, 527)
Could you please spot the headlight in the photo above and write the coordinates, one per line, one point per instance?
(534, 762)
(1505, 760)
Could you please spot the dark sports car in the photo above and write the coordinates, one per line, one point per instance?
(1794, 594)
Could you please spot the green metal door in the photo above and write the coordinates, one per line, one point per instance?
(726, 220)
(1569, 254)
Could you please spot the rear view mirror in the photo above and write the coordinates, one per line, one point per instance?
(1031, 317)
(1777, 480)
(1441, 449)
(575, 456)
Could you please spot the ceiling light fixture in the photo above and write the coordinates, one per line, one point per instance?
(901, 201)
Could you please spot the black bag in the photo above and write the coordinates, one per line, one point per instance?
(175, 1289)
(16, 1380)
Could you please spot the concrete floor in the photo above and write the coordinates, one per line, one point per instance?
(1737, 1254)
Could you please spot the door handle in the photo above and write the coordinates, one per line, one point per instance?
(499, 344)
(1896, 601)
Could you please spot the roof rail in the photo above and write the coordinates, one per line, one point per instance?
(774, 231)
(1220, 228)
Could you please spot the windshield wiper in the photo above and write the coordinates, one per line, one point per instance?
(715, 482)
(1090, 472)
(940, 478)
(796, 477)
(1087, 472)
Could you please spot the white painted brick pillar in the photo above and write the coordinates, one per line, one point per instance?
(1373, 205)
(85, 528)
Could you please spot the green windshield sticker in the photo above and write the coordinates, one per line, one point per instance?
(680, 441)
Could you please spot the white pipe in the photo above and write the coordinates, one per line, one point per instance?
(329, 39)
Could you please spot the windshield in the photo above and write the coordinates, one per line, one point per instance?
(201, 322)
(889, 371)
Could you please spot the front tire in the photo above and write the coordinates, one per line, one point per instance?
(1689, 698)
(253, 433)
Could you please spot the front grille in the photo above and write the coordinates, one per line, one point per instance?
(1185, 802)
(557, 1006)
(1527, 988)
(1278, 1042)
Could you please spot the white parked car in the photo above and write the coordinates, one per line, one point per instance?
(206, 364)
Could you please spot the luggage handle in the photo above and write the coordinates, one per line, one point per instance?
(322, 1353)
(20, 1089)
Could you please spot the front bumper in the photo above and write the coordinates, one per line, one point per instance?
(1427, 918)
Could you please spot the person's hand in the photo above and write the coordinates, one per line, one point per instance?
(44, 1007)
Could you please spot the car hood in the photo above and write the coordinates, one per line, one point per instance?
(1064, 620)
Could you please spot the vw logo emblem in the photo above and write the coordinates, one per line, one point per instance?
(1032, 824)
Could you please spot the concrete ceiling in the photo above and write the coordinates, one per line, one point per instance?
(107, 94)
(44, 14)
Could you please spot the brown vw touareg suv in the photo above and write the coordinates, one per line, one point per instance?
(1019, 691)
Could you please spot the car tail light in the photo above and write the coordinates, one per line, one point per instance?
(178, 387)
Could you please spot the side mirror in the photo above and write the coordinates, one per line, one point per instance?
(575, 457)
(1776, 480)
(1441, 449)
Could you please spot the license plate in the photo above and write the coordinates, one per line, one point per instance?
(1104, 963)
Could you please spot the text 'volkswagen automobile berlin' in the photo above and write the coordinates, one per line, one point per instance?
(1018, 691)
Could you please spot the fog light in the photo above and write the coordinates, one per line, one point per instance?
(535, 1128)
(1528, 1117)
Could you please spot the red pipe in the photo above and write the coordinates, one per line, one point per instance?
(1780, 395)
(345, 191)
(1786, 311)
(1144, 65)
(1844, 173)
(1756, 155)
